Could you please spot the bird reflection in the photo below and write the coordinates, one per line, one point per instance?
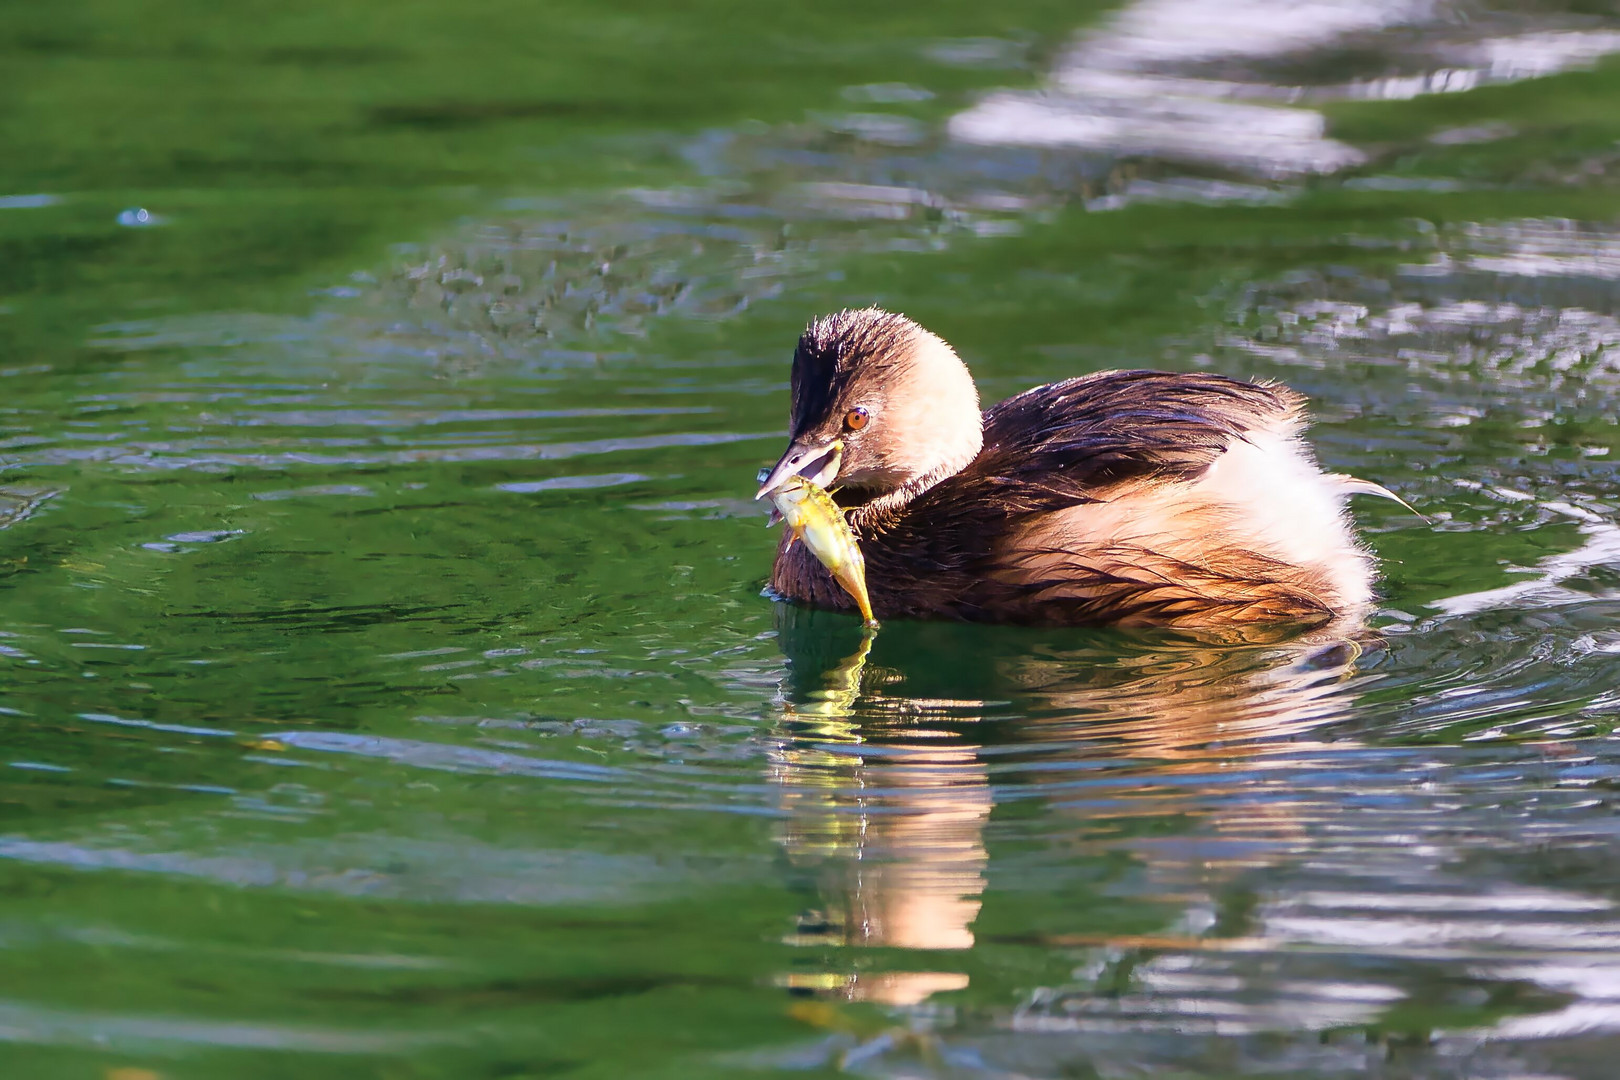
(889, 746)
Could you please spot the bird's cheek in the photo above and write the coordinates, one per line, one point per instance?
(855, 463)
(863, 469)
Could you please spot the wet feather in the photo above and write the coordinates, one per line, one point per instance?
(1181, 499)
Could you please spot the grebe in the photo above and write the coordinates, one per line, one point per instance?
(1137, 498)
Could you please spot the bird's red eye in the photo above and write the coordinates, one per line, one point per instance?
(856, 419)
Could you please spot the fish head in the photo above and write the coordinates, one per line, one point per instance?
(791, 494)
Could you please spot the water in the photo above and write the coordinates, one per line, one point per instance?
(389, 691)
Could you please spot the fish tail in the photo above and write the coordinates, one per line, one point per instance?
(853, 580)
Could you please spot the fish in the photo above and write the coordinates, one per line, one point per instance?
(813, 517)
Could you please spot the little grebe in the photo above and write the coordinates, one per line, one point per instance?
(1143, 498)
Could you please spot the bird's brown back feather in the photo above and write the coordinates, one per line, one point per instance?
(954, 550)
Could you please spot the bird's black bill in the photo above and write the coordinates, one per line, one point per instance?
(817, 464)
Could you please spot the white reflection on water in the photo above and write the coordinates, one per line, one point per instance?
(1144, 118)
(1524, 304)
(1319, 952)
(25, 1023)
(447, 869)
(1154, 33)
(214, 454)
(435, 755)
(1110, 92)
(19, 503)
(1138, 87)
(1533, 55)
(1544, 588)
(1530, 247)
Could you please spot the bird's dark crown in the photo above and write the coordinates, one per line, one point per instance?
(865, 345)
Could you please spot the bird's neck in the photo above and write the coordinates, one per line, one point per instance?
(954, 446)
(875, 511)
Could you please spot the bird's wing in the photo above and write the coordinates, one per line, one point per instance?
(1068, 443)
(1080, 435)
(1062, 444)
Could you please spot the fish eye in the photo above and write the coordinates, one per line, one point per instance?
(856, 419)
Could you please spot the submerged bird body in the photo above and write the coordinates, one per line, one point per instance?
(1124, 497)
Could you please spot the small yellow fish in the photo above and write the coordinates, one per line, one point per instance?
(814, 518)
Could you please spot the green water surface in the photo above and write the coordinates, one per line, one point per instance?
(388, 689)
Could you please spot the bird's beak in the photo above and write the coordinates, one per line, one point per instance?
(817, 463)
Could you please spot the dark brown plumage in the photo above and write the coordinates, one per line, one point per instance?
(1131, 497)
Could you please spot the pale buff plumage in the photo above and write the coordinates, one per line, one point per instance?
(1142, 498)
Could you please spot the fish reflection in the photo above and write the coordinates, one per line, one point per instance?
(894, 749)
